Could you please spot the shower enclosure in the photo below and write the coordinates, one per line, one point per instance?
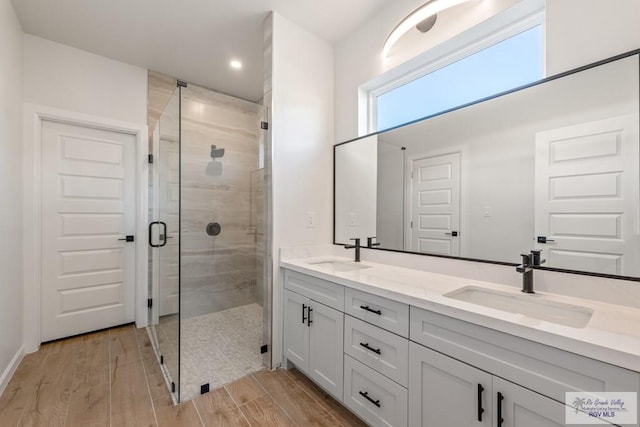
(209, 313)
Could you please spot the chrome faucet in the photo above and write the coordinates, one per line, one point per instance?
(526, 268)
(356, 247)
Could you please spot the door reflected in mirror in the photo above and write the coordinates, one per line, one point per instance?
(554, 166)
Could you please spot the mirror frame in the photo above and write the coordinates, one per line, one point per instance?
(517, 89)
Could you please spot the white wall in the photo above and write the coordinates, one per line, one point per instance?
(63, 77)
(580, 32)
(302, 137)
(356, 167)
(10, 191)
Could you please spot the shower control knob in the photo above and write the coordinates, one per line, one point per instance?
(213, 229)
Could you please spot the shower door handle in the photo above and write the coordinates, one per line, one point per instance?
(151, 224)
(163, 234)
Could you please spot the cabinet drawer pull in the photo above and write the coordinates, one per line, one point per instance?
(309, 321)
(366, 396)
(480, 408)
(366, 345)
(371, 310)
(499, 417)
(304, 307)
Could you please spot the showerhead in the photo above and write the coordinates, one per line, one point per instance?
(216, 152)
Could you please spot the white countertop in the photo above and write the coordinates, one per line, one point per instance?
(612, 335)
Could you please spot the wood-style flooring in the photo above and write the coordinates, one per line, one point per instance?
(112, 378)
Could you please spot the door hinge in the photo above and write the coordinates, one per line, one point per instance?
(150, 158)
(264, 125)
(411, 224)
(173, 387)
(161, 359)
(264, 349)
(150, 303)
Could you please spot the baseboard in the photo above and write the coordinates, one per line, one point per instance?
(11, 369)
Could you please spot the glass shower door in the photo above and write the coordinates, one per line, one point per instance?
(165, 240)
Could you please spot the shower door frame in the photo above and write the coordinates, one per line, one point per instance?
(267, 273)
(154, 310)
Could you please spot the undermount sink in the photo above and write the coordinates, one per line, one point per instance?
(528, 305)
(341, 266)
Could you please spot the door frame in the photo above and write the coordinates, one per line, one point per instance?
(463, 151)
(33, 116)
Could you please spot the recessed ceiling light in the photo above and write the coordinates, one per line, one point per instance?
(235, 64)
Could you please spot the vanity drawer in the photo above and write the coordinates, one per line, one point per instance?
(544, 369)
(381, 350)
(390, 315)
(319, 290)
(374, 397)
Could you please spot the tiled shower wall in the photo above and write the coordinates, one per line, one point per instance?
(219, 272)
(224, 271)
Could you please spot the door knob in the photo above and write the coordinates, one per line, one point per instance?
(128, 239)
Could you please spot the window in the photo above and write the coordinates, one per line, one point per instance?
(510, 63)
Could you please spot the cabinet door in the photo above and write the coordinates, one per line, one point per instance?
(444, 392)
(296, 331)
(326, 348)
(520, 407)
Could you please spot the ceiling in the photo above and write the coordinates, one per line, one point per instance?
(193, 40)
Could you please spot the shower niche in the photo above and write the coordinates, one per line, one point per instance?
(208, 222)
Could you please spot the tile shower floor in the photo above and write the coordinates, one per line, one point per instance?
(219, 348)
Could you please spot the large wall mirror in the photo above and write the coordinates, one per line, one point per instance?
(553, 166)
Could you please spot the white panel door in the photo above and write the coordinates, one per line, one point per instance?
(435, 204)
(296, 330)
(586, 198)
(326, 355)
(88, 204)
(444, 392)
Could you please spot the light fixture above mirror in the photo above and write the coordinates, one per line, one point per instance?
(423, 18)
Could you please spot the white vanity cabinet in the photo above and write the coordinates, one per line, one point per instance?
(445, 392)
(523, 382)
(314, 333)
(398, 365)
